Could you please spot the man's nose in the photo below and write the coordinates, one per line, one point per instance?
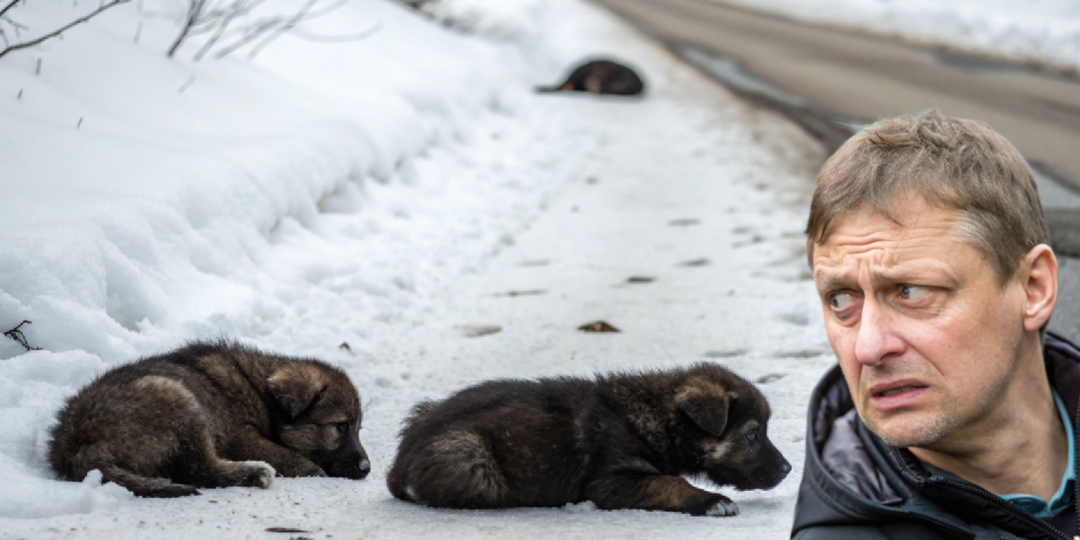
(876, 339)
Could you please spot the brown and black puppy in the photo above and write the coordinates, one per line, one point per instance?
(620, 441)
(601, 77)
(211, 415)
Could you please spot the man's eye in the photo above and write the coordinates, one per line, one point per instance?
(840, 301)
(911, 292)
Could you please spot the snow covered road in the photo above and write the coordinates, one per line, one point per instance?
(531, 220)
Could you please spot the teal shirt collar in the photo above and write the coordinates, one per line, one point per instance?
(1062, 499)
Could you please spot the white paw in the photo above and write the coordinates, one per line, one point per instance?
(723, 508)
(266, 473)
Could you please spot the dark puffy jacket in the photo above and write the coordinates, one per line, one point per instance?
(855, 486)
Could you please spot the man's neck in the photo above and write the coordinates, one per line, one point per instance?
(1021, 449)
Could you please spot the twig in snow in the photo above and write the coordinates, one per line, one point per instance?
(186, 84)
(285, 27)
(303, 34)
(234, 24)
(291, 28)
(226, 19)
(8, 7)
(61, 30)
(17, 334)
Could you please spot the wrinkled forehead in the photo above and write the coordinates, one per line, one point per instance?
(909, 227)
(872, 250)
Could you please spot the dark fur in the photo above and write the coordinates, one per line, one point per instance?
(206, 416)
(601, 77)
(621, 441)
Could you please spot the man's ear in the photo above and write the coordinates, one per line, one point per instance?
(706, 404)
(1040, 286)
(295, 387)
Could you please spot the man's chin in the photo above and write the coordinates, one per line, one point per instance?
(907, 429)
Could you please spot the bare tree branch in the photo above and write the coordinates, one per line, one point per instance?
(233, 24)
(238, 8)
(251, 34)
(329, 8)
(303, 34)
(61, 30)
(16, 27)
(283, 28)
(8, 7)
(195, 9)
(17, 334)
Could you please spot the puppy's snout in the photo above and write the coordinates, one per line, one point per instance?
(785, 468)
(358, 469)
(353, 465)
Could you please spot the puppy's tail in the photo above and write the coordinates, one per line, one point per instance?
(556, 88)
(451, 470)
(398, 484)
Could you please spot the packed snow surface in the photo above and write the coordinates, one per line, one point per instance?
(402, 206)
(1041, 32)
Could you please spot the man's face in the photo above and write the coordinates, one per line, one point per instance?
(925, 335)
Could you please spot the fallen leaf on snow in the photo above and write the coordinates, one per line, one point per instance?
(696, 262)
(528, 292)
(724, 354)
(598, 326)
(478, 330)
(766, 379)
(684, 222)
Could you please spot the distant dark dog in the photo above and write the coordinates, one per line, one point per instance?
(211, 415)
(601, 77)
(620, 441)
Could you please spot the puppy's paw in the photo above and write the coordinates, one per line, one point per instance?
(307, 469)
(170, 491)
(725, 507)
(257, 474)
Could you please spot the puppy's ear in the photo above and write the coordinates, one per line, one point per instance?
(295, 387)
(706, 404)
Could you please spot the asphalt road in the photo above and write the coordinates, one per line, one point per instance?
(828, 79)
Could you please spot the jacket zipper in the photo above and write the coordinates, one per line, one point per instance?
(1046, 527)
(1016, 509)
(1076, 467)
(976, 490)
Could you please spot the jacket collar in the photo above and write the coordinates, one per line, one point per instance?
(885, 482)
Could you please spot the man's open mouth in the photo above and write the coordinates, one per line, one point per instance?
(896, 388)
(895, 391)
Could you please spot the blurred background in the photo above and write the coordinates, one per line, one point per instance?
(834, 65)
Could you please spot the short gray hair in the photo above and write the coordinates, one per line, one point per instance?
(953, 163)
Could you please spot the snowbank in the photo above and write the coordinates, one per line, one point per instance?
(317, 199)
(1044, 33)
(150, 201)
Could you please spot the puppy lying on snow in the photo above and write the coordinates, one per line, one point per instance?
(620, 441)
(600, 77)
(211, 415)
